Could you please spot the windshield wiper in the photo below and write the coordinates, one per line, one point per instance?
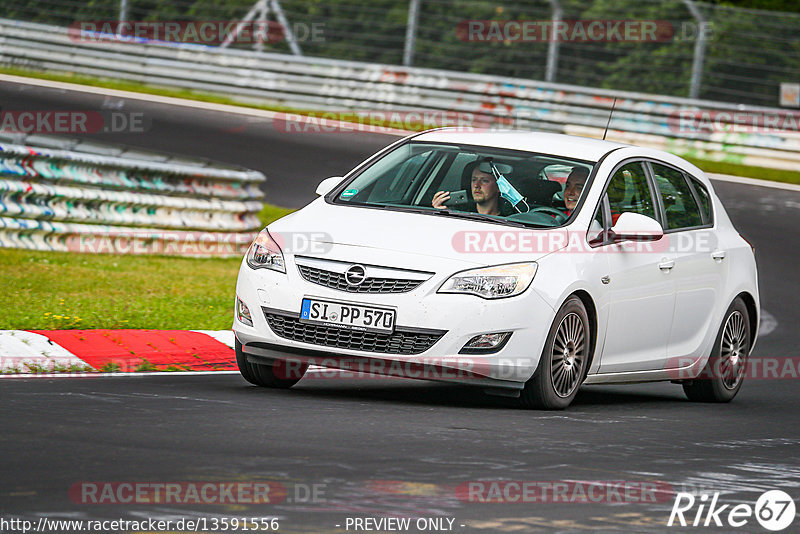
(362, 204)
(410, 209)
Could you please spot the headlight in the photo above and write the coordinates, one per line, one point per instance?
(492, 282)
(265, 253)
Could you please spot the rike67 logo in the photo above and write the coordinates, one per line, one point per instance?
(774, 510)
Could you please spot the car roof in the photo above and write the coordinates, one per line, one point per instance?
(570, 146)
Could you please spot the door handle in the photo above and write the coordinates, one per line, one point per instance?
(666, 265)
(718, 255)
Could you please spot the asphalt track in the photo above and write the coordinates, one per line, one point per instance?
(395, 447)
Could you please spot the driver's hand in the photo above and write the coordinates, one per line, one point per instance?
(439, 199)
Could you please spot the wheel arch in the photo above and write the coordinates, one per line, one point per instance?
(752, 312)
(591, 312)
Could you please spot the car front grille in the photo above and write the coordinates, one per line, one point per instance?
(401, 341)
(334, 280)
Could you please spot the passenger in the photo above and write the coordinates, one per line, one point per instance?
(573, 188)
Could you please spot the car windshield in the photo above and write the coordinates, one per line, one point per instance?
(486, 183)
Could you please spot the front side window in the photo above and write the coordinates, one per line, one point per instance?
(528, 188)
(680, 208)
(628, 191)
(596, 233)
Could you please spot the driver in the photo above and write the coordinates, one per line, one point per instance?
(484, 191)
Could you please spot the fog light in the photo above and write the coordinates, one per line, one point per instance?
(243, 313)
(484, 343)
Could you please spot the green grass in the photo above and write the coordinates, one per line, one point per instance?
(145, 366)
(51, 367)
(62, 290)
(736, 169)
(271, 213)
(111, 367)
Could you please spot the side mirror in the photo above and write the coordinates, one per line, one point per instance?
(636, 227)
(327, 185)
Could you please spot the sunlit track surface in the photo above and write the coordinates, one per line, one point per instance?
(396, 447)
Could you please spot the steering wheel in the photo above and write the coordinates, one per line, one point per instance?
(559, 215)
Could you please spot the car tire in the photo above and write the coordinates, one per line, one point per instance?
(722, 377)
(270, 376)
(564, 361)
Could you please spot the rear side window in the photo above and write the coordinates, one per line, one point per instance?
(704, 198)
(680, 207)
(628, 191)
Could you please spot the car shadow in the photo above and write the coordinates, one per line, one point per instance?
(407, 391)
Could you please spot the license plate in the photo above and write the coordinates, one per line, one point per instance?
(349, 316)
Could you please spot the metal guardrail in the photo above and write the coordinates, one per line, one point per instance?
(68, 200)
(324, 84)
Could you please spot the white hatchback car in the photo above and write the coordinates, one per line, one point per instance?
(453, 256)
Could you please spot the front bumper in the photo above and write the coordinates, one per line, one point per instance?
(452, 319)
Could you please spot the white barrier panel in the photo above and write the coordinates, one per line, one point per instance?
(34, 234)
(748, 135)
(85, 202)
